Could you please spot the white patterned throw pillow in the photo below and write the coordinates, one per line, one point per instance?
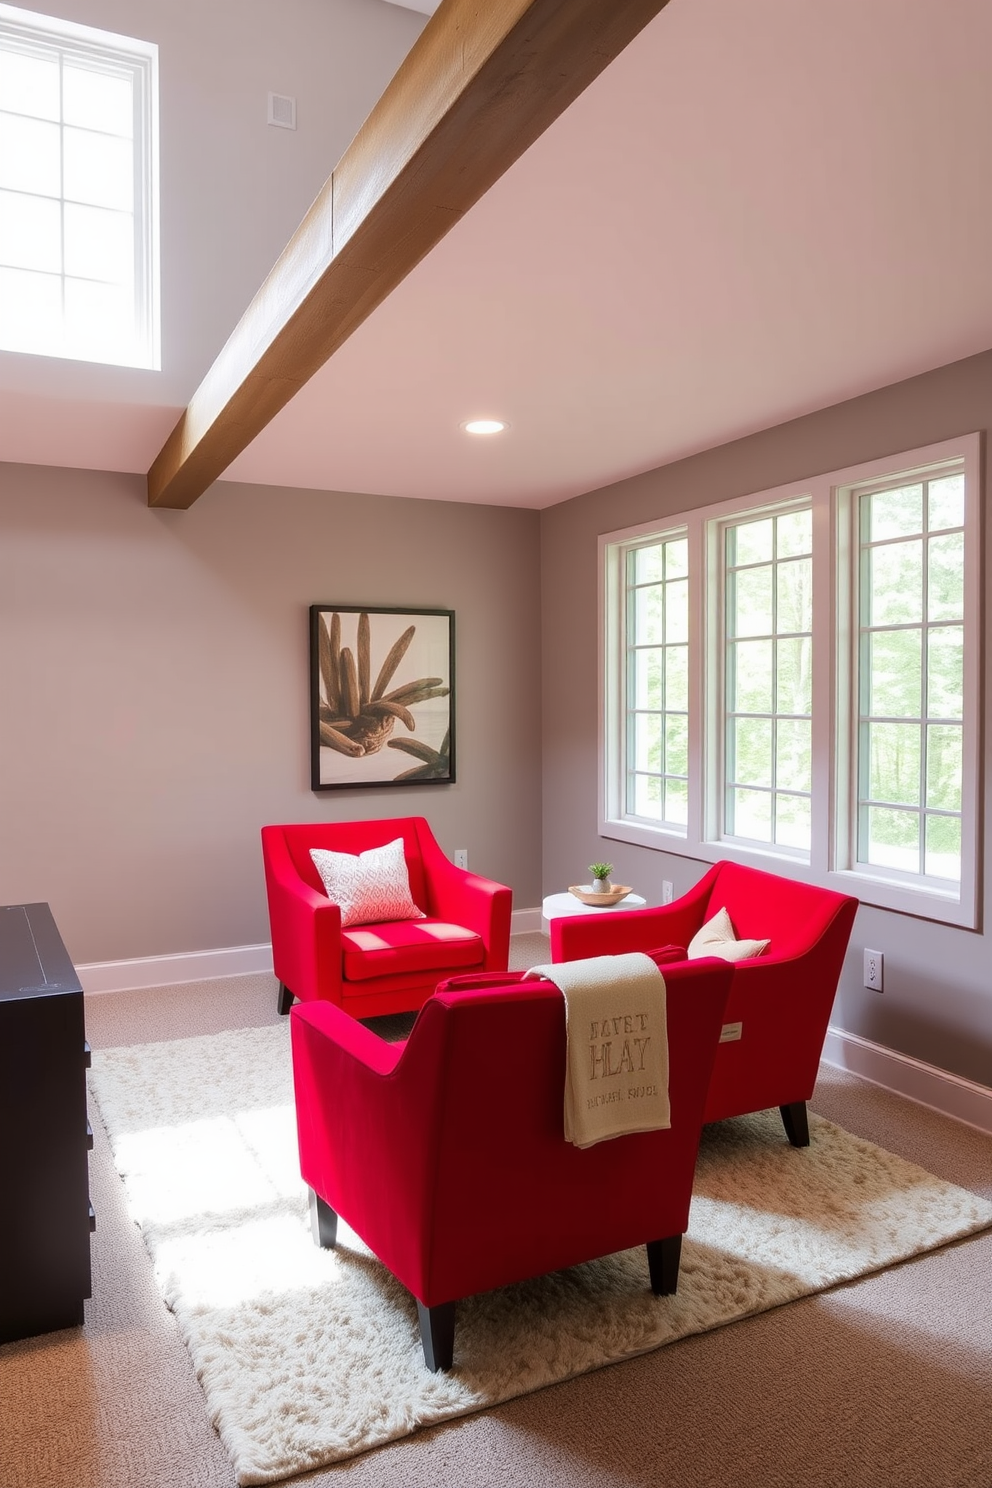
(716, 938)
(370, 888)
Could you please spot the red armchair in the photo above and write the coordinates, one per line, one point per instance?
(378, 968)
(447, 1154)
(779, 1001)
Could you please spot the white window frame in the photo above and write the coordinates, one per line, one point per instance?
(715, 623)
(139, 59)
(832, 498)
(674, 534)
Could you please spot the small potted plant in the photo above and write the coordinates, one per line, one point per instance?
(600, 877)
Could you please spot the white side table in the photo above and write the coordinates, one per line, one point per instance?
(555, 906)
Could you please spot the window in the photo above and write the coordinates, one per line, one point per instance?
(767, 584)
(658, 682)
(911, 678)
(78, 188)
(792, 679)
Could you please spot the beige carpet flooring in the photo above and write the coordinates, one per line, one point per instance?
(883, 1383)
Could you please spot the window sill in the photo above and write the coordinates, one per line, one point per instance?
(922, 903)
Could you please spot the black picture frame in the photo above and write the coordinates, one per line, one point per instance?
(382, 696)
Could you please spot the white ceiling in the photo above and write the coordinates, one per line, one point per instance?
(759, 209)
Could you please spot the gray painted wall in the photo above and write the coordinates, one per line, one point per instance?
(155, 693)
(153, 664)
(937, 1003)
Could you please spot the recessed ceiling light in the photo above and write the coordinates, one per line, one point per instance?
(484, 426)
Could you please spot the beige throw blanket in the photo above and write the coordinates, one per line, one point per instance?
(616, 1066)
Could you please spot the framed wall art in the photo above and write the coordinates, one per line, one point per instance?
(382, 696)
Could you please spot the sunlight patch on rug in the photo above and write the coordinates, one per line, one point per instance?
(307, 1357)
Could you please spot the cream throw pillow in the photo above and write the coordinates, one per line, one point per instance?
(370, 888)
(716, 938)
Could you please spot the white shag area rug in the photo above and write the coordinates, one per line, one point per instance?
(309, 1356)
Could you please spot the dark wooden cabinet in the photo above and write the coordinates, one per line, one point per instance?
(45, 1213)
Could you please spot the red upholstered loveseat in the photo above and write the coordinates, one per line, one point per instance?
(377, 968)
(447, 1153)
(781, 999)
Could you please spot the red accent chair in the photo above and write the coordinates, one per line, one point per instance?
(782, 999)
(447, 1153)
(378, 968)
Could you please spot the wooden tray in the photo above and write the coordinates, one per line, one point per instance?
(599, 901)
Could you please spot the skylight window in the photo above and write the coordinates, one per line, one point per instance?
(78, 192)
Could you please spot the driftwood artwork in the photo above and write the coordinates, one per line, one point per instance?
(409, 653)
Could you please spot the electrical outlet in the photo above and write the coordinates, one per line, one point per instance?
(667, 891)
(461, 857)
(873, 970)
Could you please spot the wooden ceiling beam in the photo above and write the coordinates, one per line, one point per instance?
(483, 81)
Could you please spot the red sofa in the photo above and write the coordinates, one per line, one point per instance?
(781, 999)
(447, 1153)
(377, 968)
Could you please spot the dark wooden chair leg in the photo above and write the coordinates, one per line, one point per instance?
(663, 1264)
(796, 1123)
(437, 1334)
(286, 999)
(323, 1222)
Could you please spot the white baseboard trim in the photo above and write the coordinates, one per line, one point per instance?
(164, 971)
(98, 977)
(525, 921)
(965, 1100)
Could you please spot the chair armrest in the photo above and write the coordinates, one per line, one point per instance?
(305, 926)
(784, 1006)
(464, 898)
(478, 981)
(667, 955)
(363, 1108)
(612, 932)
(576, 936)
(346, 1041)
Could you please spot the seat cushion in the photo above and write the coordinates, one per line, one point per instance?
(402, 946)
